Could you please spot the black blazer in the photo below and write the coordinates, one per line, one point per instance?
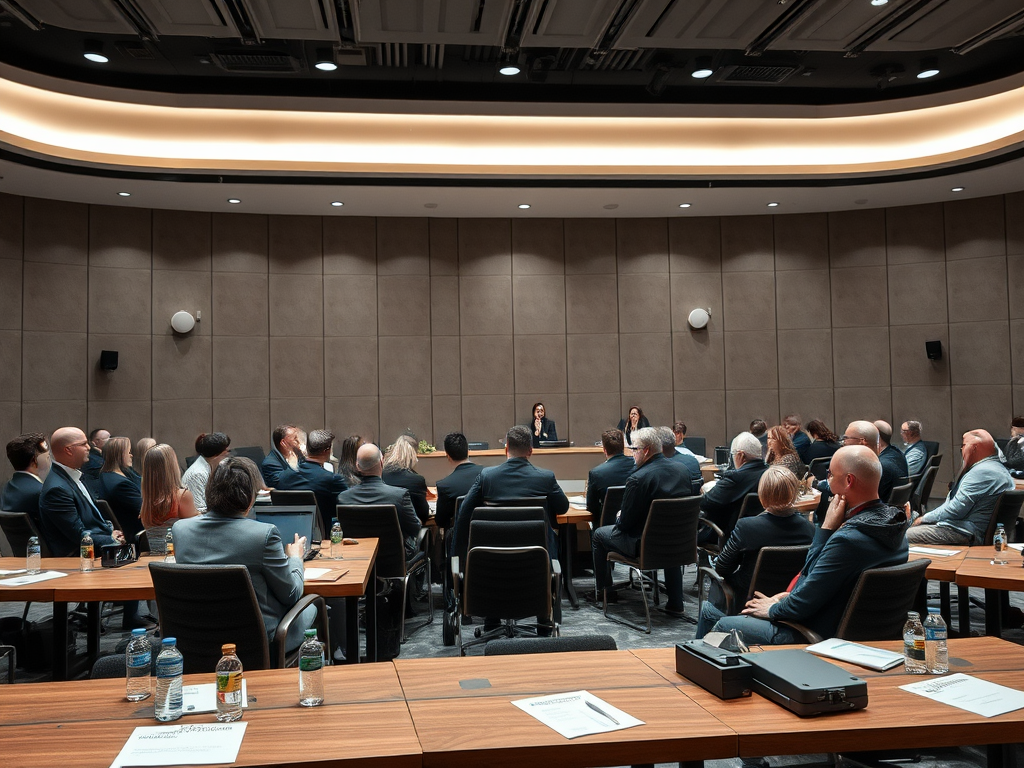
(325, 485)
(93, 465)
(415, 484)
(894, 467)
(615, 471)
(374, 491)
(802, 442)
(644, 422)
(450, 488)
(658, 478)
(125, 500)
(739, 555)
(272, 467)
(547, 431)
(719, 504)
(65, 514)
(21, 494)
(820, 449)
(693, 467)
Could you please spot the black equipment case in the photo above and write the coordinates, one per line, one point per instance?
(718, 671)
(806, 684)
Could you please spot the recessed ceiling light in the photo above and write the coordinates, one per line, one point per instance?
(684, 205)
(430, 205)
(508, 70)
(99, 58)
(924, 74)
(337, 203)
(326, 66)
(702, 68)
(700, 74)
(611, 206)
(94, 52)
(773, 205)
(929, 68)
(325, 60)
(524, 206)
(124, 194)
(879, 2)
(957, 189)
(234, 200)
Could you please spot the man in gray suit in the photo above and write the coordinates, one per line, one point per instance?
(373, 490)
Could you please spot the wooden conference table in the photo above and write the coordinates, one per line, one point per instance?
(133, 582)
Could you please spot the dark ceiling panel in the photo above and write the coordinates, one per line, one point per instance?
(94, 16)
(451, 22)
(835, 25)
(567, 23)
(295, 19)
(946, 24)
(184, 18)
(698, 24)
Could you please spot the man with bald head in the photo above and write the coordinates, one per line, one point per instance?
(859, 532)
(963, 517)
(373, 490)
(66, 507)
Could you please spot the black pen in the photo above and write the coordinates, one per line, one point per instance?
(600, 711)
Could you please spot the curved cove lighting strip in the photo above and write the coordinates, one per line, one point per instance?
(124, 134)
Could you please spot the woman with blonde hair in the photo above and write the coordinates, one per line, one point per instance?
(118, 489)
(164, 498)
(782, 452)
(399, 470)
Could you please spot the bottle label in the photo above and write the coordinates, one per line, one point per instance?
(140, 659)
(87, 551)
(335, 538)
(311, 663)
(914, 650)
(934, 633)
(169, 669)
(229, 687)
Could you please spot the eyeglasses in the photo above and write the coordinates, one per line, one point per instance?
(844, 439)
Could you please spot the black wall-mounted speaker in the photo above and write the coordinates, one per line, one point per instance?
(934, 349)
(108, 360)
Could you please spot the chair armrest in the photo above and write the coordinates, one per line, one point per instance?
(708, 524)
(727, 591)
(809, 634)
(421, 538)
(281, 635)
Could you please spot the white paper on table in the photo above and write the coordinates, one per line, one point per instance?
(310, 574)
(970, 693)
(20, 581)
(855, 653)
(933, 551)
(577, 713)
(197, 699)
(1018, 547)
(199, 744)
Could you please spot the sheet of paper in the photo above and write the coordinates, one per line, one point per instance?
(855, 653)
(578, 502)
(936, 552)
(1018, 547)
(197, 699)
(310, 574)
(20, 581)
(970, 693)
(199, 744)
(578, 713)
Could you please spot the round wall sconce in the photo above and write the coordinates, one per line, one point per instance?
(182, 322)
(699, 318)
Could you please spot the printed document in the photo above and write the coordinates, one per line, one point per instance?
(13, 579)
(577, 713)
(199, 744)
(933, 551)
(970, 693)
(855, 653)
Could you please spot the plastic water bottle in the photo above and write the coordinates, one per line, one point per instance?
(935, 654)
(33, 559)
(138, 660)
(913, 645)
(336, 540)
(87, 552)
(169, 547)
(229, 685)
(311, 671)
(169, 668)
(1001, 545)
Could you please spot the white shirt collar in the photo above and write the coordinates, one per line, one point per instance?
(75, 474)
(26, 472)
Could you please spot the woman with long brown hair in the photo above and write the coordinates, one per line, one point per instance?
(117, 488)
(164, 498)
(782, 452)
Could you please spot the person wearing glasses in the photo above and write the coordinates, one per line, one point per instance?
(721, 502)
(914, 451)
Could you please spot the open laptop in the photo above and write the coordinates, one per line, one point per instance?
(290, 521)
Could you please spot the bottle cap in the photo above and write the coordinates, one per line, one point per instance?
(138, 632)
(913, 615)
(933, 610)
(310, 633)
(169, 641)
(228, 649)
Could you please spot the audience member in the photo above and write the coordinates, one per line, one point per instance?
(400, 472)
(670, 450)
(759, 429)
(615, 469)
(892, 458)
(67, 508)
(116, 487)
(226, 536)
(780, 525)
(347, 460)
(859, 532)
(373, 490)
(1014, 454)
(722, 503)
(800, 440)
(164, 499)
(866, 433)
(781, 452)
(141, 449)
(542, 427)
(655, 477)
(964, 516)
(29, 454)
(515, 478)
(284, 453)
(97, 439)
(914, 450)
(635, 419)
(679, 432)
(824, 442)
(313, 475)
(211, 450)
(463, 475)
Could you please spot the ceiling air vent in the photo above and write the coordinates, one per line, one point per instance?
(257, 63)
(758, 74)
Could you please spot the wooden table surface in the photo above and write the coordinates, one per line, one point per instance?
(942, 568)
(977, 570)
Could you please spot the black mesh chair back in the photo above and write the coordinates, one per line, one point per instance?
(1002, 442)
(142, 541)
(878, 607)
(205, 606)
(303, 498)
(523, 645)
(670, 535)
(253, 452)
(751, 507)
(1006, 511)
(901, 494)
(190, 460)
(507, 583)
(612, 504)
(507, 533)
(696, 445)
(518, 501)
(509, 513)
(108, 514)
(19, 528)
(924, 489)
(775, 568)
(819, 467)
(379, 521)
(931, 449)
(935, 460)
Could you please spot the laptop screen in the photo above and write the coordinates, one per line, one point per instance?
(289, 521)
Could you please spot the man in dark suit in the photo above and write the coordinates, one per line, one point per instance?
(30, 456)
(676, 451)
(721, 503)
(285, 453)
(614, 471)
(373, 490)
(464, 474)
(66, 507)
(655, 477)
(894, 463)
(311, 475)
(516, 478)
(97, 439)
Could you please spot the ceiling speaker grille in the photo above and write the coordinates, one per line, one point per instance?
(256, 62)
(748, 74)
